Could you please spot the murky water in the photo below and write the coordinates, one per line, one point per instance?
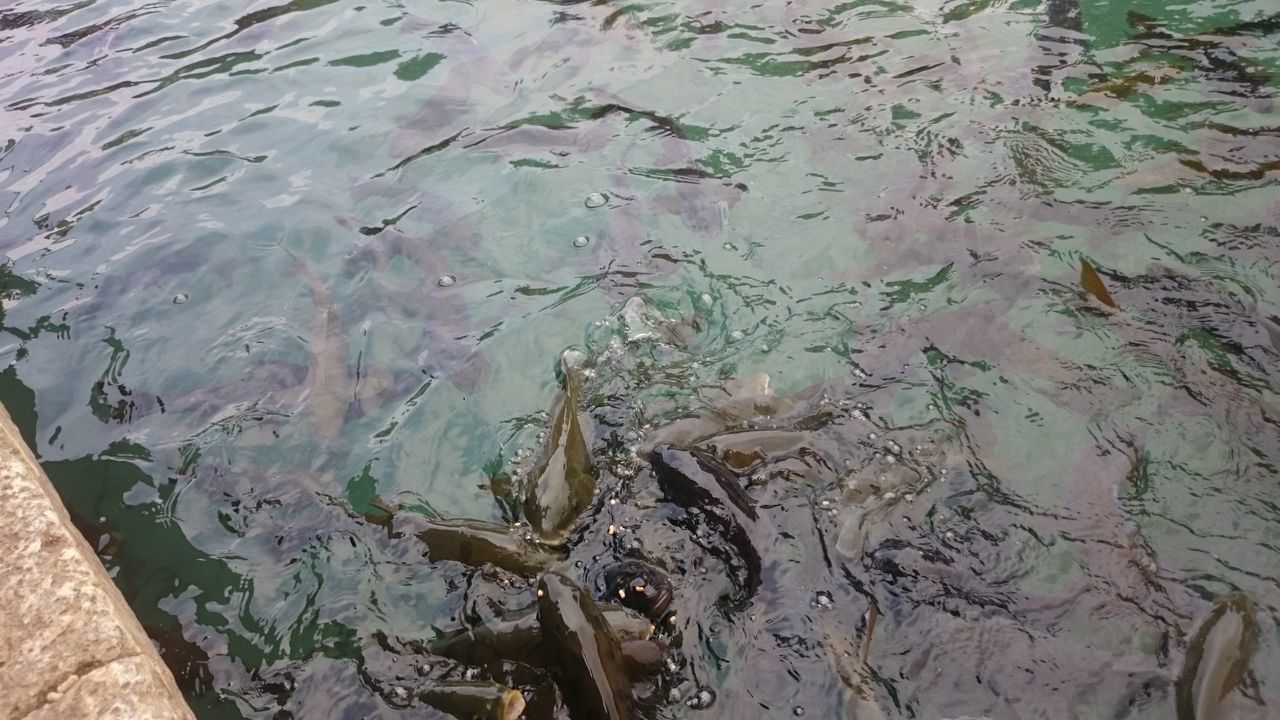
(268, 262)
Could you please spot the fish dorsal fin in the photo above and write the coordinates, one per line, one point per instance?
(1092, 284)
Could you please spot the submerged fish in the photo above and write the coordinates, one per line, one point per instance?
(698, 481)
(851, 663)
(591, 675)
(330, 387)
(563, 481)
(478, 543)
(474, 700)
(748, 404)
(518, 637)
(1217, 658)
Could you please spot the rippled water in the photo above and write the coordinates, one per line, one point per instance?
(267, 261)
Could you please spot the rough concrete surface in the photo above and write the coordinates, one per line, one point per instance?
(70, 647)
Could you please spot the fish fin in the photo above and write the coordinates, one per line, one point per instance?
(1092, 284)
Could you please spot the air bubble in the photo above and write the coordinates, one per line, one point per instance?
(797, 711)
(181, 298)
(581, 241)
(822, 600)
(595, 200)
(737, 335)
(446, 281)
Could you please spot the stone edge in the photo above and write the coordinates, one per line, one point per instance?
(156, 679)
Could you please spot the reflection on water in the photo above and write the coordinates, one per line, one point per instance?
(271, 263)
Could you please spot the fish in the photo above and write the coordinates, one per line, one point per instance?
(563, 481)
(642, 658)
(1213, 58)
(746, 403)
(330, 387)
(697, 481)
(472, 700)
(1217, 658)
(852, 664)
(476, 543)
(591, 675)
(518, 637)
(1263, 26)
(640, 587)
(743, 449)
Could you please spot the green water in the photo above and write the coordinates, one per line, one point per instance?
(894, 198)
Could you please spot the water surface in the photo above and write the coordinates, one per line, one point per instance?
(267, 261)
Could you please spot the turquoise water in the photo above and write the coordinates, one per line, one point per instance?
(267, 261)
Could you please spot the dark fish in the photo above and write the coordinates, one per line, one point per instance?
(643, 658)
(518, 637)
(479, 543)
(563, 481)
(1217, 658)
(697, 481)
(475, 700)
(1212, 57)
(1262, 26)
(639, 586)
(544, 703)
(664, 124)
(591, 675)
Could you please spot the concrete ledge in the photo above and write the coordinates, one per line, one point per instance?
(70, 647)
